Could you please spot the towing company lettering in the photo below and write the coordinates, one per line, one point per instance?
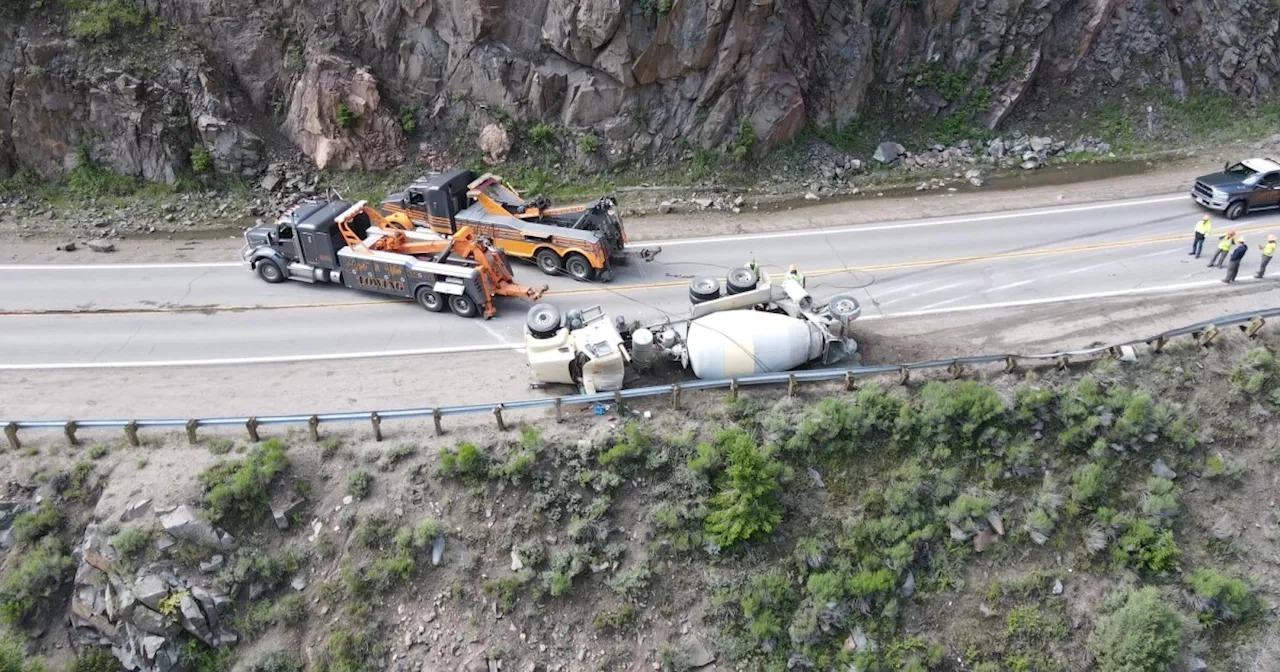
(379, 283)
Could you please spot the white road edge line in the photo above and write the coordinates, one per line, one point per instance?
(858, 228)
(517, 347)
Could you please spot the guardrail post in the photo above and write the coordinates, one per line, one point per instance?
(904, 375)
(191, 431)
(956, 369)
(675, 395)
(617, 400)
(559, 409)
(1251, 330)
(733, 389)
(848, 381)
(251, 426)
(435, 417)
(1010, 364)
(70, 430)
(497, 415)
(791, 385)
(131, 433)
(1206, 336)
(1063, 363)
(376, 421)
(313, 423)
(1158, 344)
(11, 433)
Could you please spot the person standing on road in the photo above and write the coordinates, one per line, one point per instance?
(1203, 228)
(1268, 251)
(795, 275)
(1233, 265)
(1225, 242)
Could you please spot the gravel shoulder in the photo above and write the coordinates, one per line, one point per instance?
(1014, 192)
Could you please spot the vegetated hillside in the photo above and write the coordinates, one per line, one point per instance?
(1116, 517)
(161, 89)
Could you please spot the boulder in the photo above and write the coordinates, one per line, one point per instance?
(336, 117)
(185, 523)
(888, 152)
(152, 622)
(193, 620)
(151, 590)
(494, 143)
(136, 510)
(98, 245)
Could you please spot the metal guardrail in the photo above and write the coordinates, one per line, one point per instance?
(1204, 332)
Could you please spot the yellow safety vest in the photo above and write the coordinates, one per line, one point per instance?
(1269, 249)
(1204, 228)
(1226, 243)
(798, 277)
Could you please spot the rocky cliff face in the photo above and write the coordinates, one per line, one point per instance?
(644, 76)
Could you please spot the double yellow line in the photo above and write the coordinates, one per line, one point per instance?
(1092, 247)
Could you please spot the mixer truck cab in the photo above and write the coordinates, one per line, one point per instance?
(751, 326)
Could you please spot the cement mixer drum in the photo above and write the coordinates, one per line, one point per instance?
(737, 343)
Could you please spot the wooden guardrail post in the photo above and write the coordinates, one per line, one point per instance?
(191, 431)
(497, 415)
(1063, 363)
(313, 423)
(956, 369)
(251, 426)
(376, 421)
(1205, 337)
(1158, 344)
(733, 389)
(131, 433)
(675, 395)
(559, 409)
(904, 375)
(791, 385)
(69, 430)
(848, 381)
(435, 418)
(11, 433)
(1010, 364)
(1251, 329)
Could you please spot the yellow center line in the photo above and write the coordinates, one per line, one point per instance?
(1092, 247)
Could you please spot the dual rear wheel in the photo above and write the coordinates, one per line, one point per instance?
(460, 304)
(575, 265)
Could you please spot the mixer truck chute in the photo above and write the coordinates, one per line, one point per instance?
(750, 326)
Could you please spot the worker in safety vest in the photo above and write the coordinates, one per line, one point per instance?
(1268, 251)
(1225, 242)
(795, 275)
(1203, 229)
(1233, 264)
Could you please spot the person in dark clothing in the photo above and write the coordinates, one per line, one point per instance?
(1233, 262)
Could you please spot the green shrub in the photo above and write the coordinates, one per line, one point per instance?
(345, 116)
(31, 526)
(329, 448)
(837, 426)
(616, 620)
(1161, 499)
(236, 491)
(13, 657)
(359, 484)
(542, 134)
(78, 485)
(277, 661)
(958, 417)
(93, 660)
(396, 455)
(351, 652)
(1257, 373)
(255, 619)
(633, 444)
(290, 610)
(1089, 483)
(1223, 598)
(93, 20)
(632, 581)
(39, 573)
(1142, 633)
(743, 142)
(746, 504)
(1147, 550)
(408, 120)
(98, 451)
(466, 462)
(221, 446)
(132, 542)
(766, 602)
(201, 160)
(589, 144)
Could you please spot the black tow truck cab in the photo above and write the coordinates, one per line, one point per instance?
(302, 244)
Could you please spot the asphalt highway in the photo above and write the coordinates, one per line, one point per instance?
(185, 314)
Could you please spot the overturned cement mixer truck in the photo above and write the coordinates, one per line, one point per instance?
(753, 325)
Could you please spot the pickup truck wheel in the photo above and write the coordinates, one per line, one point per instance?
(579, 267)
(543, 321)
(704, 289)
(741, 280)
(429, 299)
(1235, 210)
(271, 272)
(463, 306)
(548, 261)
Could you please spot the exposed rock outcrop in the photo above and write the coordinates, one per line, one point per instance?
(337, 118)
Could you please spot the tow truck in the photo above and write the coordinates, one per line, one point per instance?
(324, 240)
(753, 325)
(585, 241)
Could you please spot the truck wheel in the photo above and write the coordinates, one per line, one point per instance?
(548, 261)
(429, 299)
(579, 267)
(271, 272)
(1235, 210)
(844, 308)
(704, 289)
(741, 280)
(463, 306)
(543, 321)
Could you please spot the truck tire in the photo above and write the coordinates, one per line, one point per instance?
(844, 308)
(463, 306)
(429, 299)
(270, 271)
(543, 321)
(1236, 210)
(578, 267)
(548, 261)
(741, 280)
(704, 289)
